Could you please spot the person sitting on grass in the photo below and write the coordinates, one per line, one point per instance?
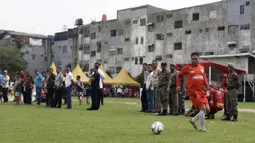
(80, 88)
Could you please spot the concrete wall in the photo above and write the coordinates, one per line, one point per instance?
(60, 58)
(205, 37)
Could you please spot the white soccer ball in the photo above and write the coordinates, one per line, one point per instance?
(157, 127)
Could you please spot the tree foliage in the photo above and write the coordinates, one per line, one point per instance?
(11, 60)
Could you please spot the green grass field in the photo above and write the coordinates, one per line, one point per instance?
(118, 121)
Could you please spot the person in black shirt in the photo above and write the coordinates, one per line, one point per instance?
(95, 89)
(51, 88)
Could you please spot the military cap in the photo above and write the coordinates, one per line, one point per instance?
(231, 65)
(163, 64)
(172, 65)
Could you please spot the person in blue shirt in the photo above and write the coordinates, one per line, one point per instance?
(38, 79)
(1, 87)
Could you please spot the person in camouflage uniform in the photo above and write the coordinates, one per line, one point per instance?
(173, 96)
(231, 98)
(182, 95)
(164, 77)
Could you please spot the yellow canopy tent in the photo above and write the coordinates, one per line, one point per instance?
(124, 79)
(53, 66)
(78, 71)
(108, 80)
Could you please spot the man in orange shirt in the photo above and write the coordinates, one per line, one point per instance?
(195, 83)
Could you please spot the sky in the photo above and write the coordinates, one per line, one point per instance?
(49, 16)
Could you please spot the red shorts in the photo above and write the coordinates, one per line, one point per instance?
(198, 99)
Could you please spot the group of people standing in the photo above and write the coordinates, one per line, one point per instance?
(158, 89)
(168, 88)
(56, 87)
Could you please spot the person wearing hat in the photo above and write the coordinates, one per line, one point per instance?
(173, 97)
(163, 84)
(5, 84)
(231, 98)
(182, 94)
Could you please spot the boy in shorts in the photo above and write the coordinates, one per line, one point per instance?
(80, 88)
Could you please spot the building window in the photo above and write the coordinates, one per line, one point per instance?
(241, 9)
(93, 35)
(64, 49)
(86, 67)
(127, 39)
(120, 32)
(206, 29)
(112, 52)
(195, 16)
(232, 45)
(247, 3)
(99, 28)
(151, 27)
(119, 51)
(170, 15)
(113, 33)
(178, 46)
(118, 69)
(93, 53)
(245, 27)
(142, 39)
(126, 59)
(86, 49)
(127, 22)
(221, 28)
(45, 58)
(160, 18)
(136, 40)
(135, 21)
(158, 58)
(99, 47)
(200, 30)
(188, 32)
(136, 60)
(151, 48)
(169, 34)
(33, 56)
(160, 37)
(178, 24)
(142, 22)
(112, 70)
(141, 61)
(169, 56)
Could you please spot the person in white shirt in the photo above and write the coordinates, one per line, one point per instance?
(68, 86)
(101, 82)
(5, 85)
(150, 90)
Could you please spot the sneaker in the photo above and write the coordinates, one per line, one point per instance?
(193, 124)
(202, 130)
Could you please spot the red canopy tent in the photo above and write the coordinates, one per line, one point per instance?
(219, 67)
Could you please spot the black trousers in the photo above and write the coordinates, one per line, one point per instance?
(144, 100)
(28, 96)
(5, 94)
(95, 97)
(50, 97)
(1, 92)
(58, 97)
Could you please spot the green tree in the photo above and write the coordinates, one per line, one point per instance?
(11, 60)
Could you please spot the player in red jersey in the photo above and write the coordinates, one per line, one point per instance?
(195, 83)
